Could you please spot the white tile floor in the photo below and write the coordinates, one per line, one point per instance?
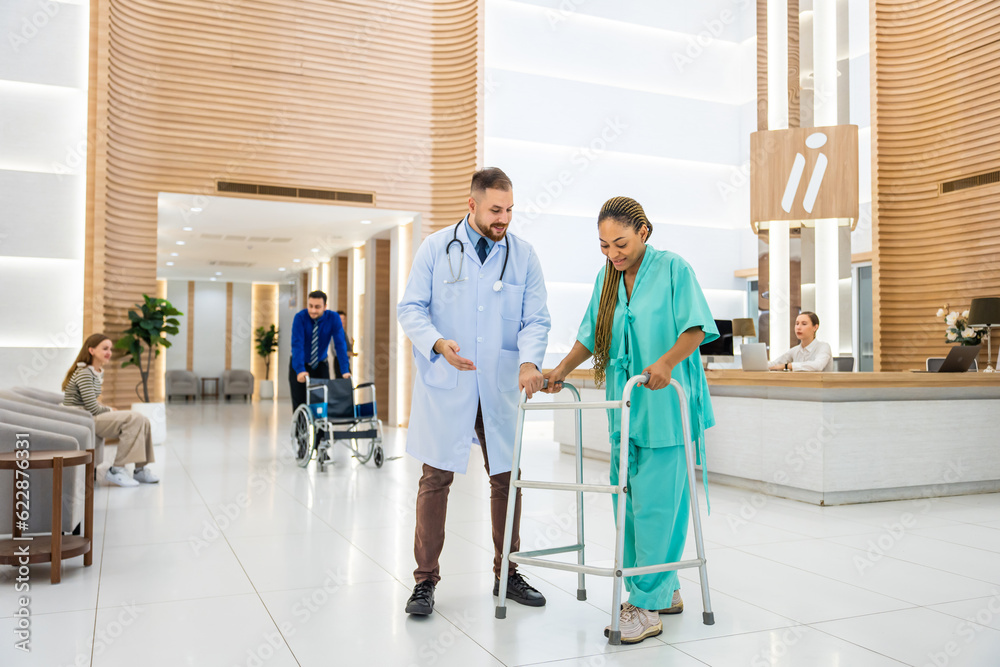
(240, 558)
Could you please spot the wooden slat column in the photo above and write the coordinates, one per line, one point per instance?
(935, 92)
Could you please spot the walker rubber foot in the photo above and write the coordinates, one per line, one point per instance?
(581, 594)
(501, 612)
(708, 617)
(615, 638)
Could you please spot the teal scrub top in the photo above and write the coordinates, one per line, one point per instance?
(666, 301)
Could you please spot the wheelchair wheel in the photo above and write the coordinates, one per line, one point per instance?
(303, 435)
(379, 456)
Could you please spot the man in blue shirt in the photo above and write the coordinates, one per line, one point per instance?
(312, 329)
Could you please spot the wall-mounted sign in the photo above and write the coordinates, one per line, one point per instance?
(807, 173)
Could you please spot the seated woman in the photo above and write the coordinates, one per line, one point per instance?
(82, 387)
(810, 354)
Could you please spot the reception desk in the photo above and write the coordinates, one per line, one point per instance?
(836, 438)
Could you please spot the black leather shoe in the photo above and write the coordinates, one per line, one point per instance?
(421, 602)
(520, 590)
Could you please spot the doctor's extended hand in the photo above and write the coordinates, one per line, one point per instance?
(659, 374)
(449, 350)
(529, 379)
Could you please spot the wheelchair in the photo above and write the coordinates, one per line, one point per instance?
(329, 404)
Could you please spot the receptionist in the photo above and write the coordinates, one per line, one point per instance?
(810, 354)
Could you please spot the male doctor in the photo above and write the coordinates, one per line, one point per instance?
(474, 309)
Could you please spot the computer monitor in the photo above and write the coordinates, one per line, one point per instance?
(723, 345)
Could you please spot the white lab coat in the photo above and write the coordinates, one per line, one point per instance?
(498, 331)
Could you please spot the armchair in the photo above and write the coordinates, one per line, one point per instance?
(237, 383)
(181, 383)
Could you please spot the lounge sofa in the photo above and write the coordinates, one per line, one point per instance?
(56, 431)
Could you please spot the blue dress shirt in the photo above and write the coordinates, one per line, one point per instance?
(330, 327)
(474, 237)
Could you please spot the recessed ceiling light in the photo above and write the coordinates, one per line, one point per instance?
(281, 268)
(174, 254)
(188, 229)
(196, 209)
(170, 263)
(296, 260)
(218, 273)
(212, 278)
(366, 222)
(313, 249)
(180, 243)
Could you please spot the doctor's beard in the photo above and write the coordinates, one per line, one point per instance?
(494, 231)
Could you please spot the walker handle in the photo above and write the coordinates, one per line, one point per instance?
(644, 378)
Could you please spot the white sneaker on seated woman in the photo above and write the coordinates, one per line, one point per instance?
(81, 389)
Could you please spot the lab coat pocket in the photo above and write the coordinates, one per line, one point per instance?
(511, 302)
(508, 369)
(438, 373)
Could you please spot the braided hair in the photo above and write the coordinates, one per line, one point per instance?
(628, 213)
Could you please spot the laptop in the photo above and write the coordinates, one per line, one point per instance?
(754, 356)
(959, 360)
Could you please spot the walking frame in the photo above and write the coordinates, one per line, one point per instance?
(618, 571)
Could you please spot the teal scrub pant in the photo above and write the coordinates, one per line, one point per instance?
(656, 519)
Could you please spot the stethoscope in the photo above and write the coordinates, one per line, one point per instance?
(497, 286)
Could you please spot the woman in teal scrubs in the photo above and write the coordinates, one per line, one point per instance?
(647, 314)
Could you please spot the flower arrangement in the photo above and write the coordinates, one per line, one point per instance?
(957, 328)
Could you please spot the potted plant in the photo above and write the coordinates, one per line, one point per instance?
(267, 343)
(141, 342)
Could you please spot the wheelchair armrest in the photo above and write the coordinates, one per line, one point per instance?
(364, 384)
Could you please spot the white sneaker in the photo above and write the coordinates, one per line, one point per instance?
(676, 604)
(637, 624)
(119, 478)
(146, 476)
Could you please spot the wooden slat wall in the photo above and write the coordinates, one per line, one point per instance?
(333, 93)
(761, 64)
(794, 65)
(935, 94)
(383, 323)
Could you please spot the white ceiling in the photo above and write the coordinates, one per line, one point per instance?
(263, 236)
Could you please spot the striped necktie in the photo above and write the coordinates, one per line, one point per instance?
(314, 355)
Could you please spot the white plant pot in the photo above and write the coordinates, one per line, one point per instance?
(266, 389)
(156, 413)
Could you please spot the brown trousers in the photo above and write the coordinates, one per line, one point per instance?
(432, 509)
(132, 430)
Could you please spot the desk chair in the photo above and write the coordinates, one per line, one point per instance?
(843, 364)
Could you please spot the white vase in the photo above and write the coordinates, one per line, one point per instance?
(156, 413)
(266, 389)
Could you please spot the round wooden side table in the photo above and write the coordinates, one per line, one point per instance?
(54, 548)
